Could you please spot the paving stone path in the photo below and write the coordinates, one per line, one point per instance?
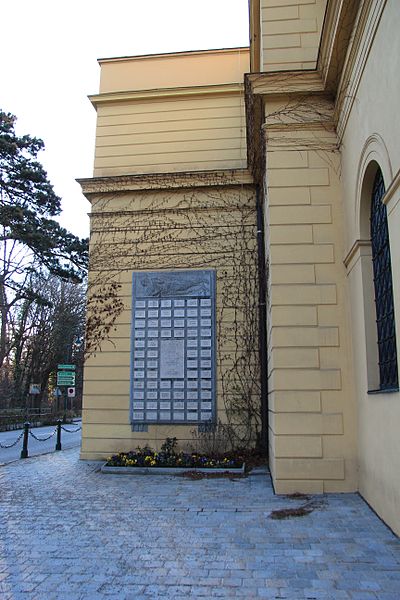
(69, 532)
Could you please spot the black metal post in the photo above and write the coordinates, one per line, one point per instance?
(58, 443)
(24, 451)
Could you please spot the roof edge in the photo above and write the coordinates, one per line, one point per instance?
(236, 49)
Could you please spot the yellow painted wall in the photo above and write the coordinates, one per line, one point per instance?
(173, 127)
(291, 31)
(171, 134)
(312, 416)
(171, 113)
(182, 69)
(327, 434)
(210, 224)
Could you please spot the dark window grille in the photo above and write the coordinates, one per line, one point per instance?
(385, 321)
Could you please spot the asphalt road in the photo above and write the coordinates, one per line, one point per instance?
(68, 440)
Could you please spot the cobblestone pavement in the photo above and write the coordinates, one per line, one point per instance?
(69, 532)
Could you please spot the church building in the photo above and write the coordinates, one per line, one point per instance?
(244, 279)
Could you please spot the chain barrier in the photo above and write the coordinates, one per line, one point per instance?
(41, 439)
(71, 430)
(13, 444)
(27, 432)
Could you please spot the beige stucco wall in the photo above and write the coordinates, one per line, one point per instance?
(327, 432)
(183, 69)
(290, 33)
(370, 133)
(186, 223)
(180, 133)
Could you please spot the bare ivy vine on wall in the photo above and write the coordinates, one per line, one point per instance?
(194, 228)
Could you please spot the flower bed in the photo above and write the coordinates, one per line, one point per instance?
(146, 460)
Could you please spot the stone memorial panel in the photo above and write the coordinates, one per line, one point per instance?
(173, 332)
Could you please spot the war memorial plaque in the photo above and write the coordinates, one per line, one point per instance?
(173, 347)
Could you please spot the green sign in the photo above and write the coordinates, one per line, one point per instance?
(65, 378)
(66, 367)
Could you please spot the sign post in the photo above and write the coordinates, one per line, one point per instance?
(71, 395)
(66, 375)
(66, 379)
(34, 390)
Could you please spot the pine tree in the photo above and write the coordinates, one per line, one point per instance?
(31, 240)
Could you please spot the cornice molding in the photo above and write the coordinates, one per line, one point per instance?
(347, 36)
(184, 92)
(164, 181)
(168, 55)
(315, 125)
(335, 36)
(295, 85)
(329, 30)
(314, 137)
(356, 247)
(391, 191)
(282, 83)
(364, 30)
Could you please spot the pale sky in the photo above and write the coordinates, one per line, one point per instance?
(49, 51)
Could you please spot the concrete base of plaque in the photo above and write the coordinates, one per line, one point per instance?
(168, 470)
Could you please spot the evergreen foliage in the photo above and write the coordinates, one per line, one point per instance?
(28, 205)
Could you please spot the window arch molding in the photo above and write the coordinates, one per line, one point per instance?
(374, 159)
(373, 156)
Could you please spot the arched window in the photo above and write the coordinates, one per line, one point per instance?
(382, 269)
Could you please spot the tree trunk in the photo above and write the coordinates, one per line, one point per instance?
(4, 319)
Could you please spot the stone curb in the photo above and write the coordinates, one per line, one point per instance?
(259, 471)
(167, 470)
